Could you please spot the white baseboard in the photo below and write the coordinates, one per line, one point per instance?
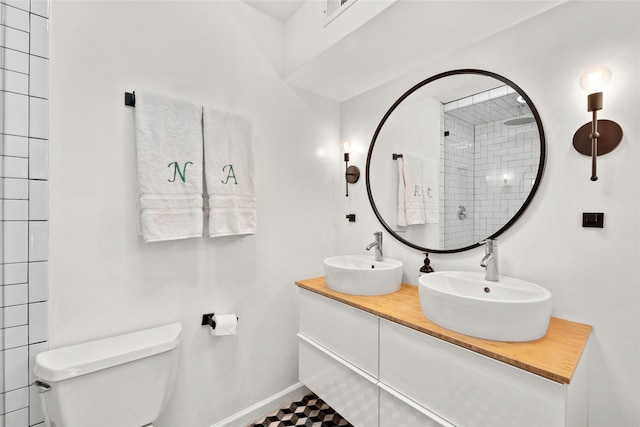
(270, 404)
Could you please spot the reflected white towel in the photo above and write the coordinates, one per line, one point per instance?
(431, 191)
(418, 195)
(230, 172)
(169, 167)
(413, 189)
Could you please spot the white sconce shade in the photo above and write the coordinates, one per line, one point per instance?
(595, 78)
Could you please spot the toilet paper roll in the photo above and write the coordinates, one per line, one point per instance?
(226, 324)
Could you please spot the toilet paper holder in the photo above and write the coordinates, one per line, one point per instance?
(207, 319)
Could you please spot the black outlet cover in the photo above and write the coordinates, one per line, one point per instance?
(593, 219)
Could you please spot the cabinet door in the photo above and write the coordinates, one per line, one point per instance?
(464, 387)
(351, 392)
(398, 411)
(348, 332)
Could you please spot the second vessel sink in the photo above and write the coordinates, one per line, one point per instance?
(507, 310)
(362, 274)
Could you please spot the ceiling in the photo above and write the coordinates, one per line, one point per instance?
(404, 37)
(280, 10)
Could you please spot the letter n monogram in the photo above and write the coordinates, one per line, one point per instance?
(177, 171)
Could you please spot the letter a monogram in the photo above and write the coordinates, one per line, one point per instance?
(176, 171)
(230, 174)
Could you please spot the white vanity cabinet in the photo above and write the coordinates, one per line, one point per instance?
(338, 353)
(378, 373)
(469, 389)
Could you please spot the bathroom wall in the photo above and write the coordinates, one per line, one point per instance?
(24, 213)
(104, 279)
(594, 274)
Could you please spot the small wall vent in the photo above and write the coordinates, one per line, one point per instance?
(334, 8)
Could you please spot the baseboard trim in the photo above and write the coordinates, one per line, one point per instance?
(264, 407)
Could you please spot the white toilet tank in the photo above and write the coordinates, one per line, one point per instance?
(120, 381)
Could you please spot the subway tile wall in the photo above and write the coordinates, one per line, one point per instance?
(489, 169)
(24, 205)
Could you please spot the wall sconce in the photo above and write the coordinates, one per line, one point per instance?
(352, 173)
(600, 136)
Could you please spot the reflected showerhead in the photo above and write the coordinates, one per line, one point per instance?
(520, 121)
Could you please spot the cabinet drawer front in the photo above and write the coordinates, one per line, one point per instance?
(463, 387)
(353, 396)
(397, 411)
(346, 331)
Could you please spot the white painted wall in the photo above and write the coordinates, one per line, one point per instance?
(594, 274)
(104, 279)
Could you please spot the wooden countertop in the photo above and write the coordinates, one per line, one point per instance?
(554, 356)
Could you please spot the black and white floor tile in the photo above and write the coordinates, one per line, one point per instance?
(310, 411)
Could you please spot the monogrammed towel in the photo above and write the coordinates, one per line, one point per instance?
(169, 167)
(229, 157)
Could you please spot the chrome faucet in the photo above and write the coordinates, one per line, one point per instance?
(490, 260)
(378, 245)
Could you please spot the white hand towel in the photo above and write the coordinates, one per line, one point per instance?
(229, 155)
(413, 189)
(402, 209)
(431, 191)
(169, 160)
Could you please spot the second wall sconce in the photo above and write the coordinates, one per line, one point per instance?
(352, 173)
(599, 136)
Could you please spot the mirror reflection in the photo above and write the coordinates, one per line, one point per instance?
(455, 161)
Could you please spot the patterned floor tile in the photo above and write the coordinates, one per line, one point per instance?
(310, 411)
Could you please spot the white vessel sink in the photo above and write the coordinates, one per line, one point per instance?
(362, 274)
(508, 310)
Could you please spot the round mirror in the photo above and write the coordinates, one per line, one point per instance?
(455, 160)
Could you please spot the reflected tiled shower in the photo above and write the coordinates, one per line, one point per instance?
(24, 201)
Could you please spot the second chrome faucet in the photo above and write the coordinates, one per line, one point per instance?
(378, 245)
(490, 260)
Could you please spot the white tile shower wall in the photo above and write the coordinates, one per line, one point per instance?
(456, 178)
(24, 199)
(506, 162)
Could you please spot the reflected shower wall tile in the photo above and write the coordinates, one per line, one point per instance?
(38, 240)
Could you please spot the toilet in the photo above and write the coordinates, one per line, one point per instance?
(123, 381)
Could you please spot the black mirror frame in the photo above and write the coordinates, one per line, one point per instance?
(526, 203)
